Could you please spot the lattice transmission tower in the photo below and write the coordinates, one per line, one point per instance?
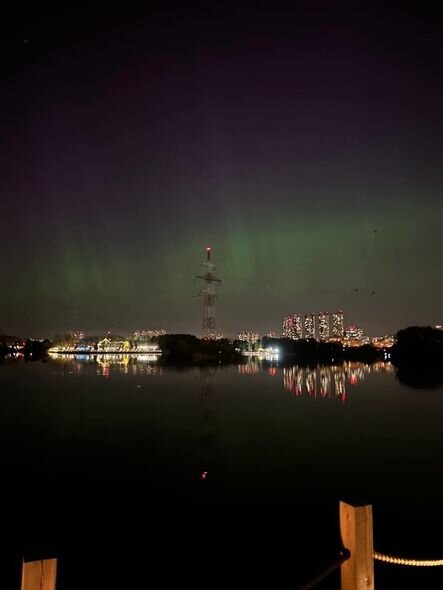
(209, 297)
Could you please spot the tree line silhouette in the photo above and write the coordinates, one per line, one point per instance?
(417, 353)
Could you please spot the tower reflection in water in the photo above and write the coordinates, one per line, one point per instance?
(209, 430)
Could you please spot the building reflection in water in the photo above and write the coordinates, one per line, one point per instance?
(109, 364)
(328, 381)
(251, 367)
(254, 363)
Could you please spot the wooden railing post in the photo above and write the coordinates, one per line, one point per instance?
(357, 573)
(39, 575)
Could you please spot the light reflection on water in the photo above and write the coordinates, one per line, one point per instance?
(328, 381)
(221, 443)
(322, 381)
(108, 364)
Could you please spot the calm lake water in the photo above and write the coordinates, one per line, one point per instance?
(130, 471)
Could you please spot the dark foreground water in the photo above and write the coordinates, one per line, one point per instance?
(142, 476)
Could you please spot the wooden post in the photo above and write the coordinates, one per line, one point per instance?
(39, 575)
(357, 573)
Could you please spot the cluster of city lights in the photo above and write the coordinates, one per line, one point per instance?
(250, 337)
(149, 333)
(297, 326)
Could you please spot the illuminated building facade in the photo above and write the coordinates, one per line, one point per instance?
(292, 327)
(297, 326)
(149, 333)
(323, 325)
(287, 328)
(310, 325)
(251, 340)
(354, 333)
(383, 341)
(314, 325)
(338, 324)
(250, 337)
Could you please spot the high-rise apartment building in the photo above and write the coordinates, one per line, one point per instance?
(323, 325)
(250, 337)
(338, 324)
(292, 327)
(298, 326)
(287, 327)
(354, 333)
(310, 325)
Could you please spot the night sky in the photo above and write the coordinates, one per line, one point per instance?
(304, 146)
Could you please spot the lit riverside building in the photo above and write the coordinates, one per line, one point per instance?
(323, 325)
(310, 325)
(338, 324)
(292, 327)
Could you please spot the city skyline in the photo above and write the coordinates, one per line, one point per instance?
(296, 326)
(303, 146)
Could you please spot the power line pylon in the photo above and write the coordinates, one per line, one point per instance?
(209, 297)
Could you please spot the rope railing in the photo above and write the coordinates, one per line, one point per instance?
(409, 562)
(357, 535)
